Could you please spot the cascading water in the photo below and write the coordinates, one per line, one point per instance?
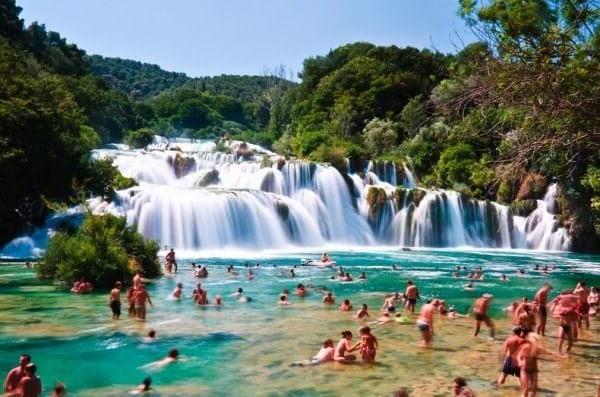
(191, 196)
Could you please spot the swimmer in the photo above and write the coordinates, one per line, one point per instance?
(250, 275)
(412, 295)
(60, 390)
(301, 290)
(324, 355)
(342, 348)
(480, 308)
(238, 293)
(346, 306)
(177, 292)
(171, 358)
(453, 314)
(151, 337)
(469, 287)
(114, 301)
(283, 300)
(217, 300)
(385, 317)
(329, 299)
(503, 277)
(362, 276)
(143, 388)
(363, 312)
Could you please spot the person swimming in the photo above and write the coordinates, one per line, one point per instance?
(171, 358)
(177, 292)
(329, 299)
(144, 387)
(346, 306)
(151, 337)
(283, 300)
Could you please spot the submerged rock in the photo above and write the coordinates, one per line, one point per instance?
(210, 178)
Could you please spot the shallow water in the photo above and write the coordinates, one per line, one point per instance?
(246, 348)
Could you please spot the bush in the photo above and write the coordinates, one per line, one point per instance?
(103, 250)
(454, 165)
(140, 138)
(380, 136)
(105, 178)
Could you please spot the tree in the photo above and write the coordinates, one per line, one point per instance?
(140, 138)
(103, 250)
(380, 136)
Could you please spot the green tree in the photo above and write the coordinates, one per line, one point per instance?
(140, 138)
(380, 136)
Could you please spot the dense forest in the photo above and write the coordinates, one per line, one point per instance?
(499, 120)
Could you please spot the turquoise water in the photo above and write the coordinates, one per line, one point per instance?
(246, 347)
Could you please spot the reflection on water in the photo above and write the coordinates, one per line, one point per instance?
(246, 348)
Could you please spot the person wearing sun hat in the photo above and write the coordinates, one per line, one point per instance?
(480, 308)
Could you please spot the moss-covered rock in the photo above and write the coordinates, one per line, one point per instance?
(417, 196)
(375, 196)
(523, 207)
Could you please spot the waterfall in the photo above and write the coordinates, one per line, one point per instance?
(192, 196)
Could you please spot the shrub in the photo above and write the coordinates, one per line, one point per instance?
(103, 250)
(454, 165)
(140, 138)
(380, 136)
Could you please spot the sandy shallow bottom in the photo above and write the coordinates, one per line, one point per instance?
(246, 349)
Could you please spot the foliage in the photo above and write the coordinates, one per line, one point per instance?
(100, 251)
(455, 164)
(104, 178)
(140, 138)
(380, 136)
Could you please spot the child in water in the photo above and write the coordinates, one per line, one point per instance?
(367, 345)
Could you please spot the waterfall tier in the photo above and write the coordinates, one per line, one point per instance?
(193, 197)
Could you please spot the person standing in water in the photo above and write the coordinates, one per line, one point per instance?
(14, 376)
(480, 309)
(425, 322)
(527, 357)
(582, 293)
(115, 301)
(367, 345)
(140, 298)
(509, 350)
(178, 291)
(30, 384)
(411, 294)
(170, 258)
(541, 299)
(329, 299)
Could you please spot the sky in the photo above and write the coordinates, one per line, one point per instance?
(213, 37)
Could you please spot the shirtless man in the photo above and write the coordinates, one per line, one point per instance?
(140, 298)
(30, 385)
(527, 356)
(509, 350)
(567, 321)
(425, 322)
(329, 299)
(137, 280)
(480, 308)
(324, 355)
(14, 376)
(301, 290)
(391, 301)
(541, 298)
(172, 357)
(584, 307)
(411, 294)
(170, 258)
(114, 301)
